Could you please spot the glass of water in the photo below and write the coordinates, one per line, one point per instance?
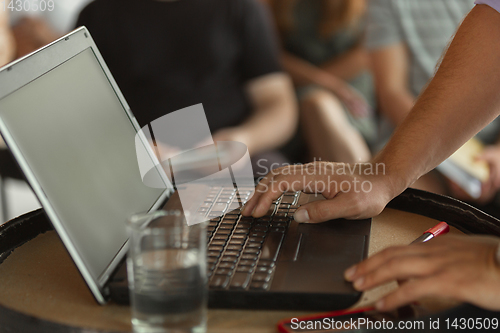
(166, 269)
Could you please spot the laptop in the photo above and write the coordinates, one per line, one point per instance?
(73, 135)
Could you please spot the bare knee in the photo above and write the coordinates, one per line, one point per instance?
(318, 101)
(322, 106)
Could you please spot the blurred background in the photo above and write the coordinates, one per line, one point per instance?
(295, 80)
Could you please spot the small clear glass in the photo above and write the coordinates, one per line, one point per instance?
(166, 269)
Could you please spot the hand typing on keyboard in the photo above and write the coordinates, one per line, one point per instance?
(242, 251)
(353, 191)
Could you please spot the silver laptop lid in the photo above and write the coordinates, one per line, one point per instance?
(72, 132)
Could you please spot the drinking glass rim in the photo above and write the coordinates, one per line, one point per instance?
(140, 221)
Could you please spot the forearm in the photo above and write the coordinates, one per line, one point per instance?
(274, 116)
(391, 72)
(460, 100)
(266, 131)
(349, 65)
(395, 105)
(303, 72)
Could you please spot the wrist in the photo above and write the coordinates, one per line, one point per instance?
(327, 81)
(395, 177)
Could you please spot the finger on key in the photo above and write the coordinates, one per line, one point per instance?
(260, 189)
(264, 185)
(274, 190)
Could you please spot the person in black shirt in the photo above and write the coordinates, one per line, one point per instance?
(168, 55)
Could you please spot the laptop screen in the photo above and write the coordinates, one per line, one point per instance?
(78, 141)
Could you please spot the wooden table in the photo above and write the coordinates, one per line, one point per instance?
(42, 291)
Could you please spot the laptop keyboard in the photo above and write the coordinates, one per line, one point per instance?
(242, 251)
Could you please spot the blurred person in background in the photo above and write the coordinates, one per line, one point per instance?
(406, 39)
(168, 55)
(37, 25)
(323, 51)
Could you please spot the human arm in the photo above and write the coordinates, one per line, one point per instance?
(350, 64)
(390, 60)
(32, 33)
(463, 268)
(390, 65)
(303, 72)
(273, 115)
(342, 68)
(460, 100)
(273, 118)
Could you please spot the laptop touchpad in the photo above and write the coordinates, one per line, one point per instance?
(320, 263)
(330, 247)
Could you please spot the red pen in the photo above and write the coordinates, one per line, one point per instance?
(439, 229)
